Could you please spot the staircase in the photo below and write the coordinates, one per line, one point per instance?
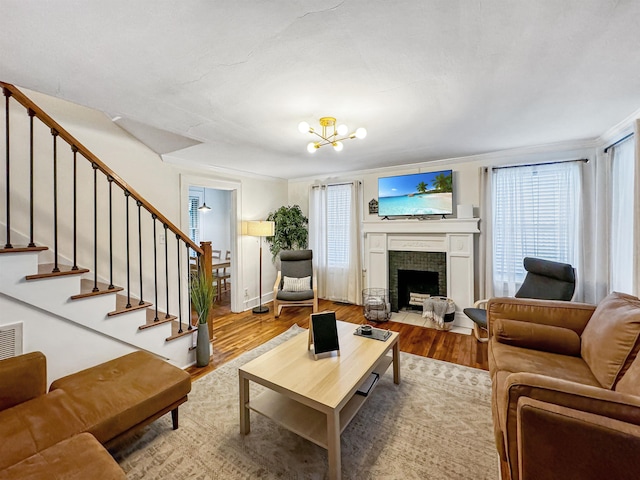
(74, 216)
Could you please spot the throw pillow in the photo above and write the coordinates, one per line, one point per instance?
(292, 284)
(547, 338)
(609, 341)
(630, 381)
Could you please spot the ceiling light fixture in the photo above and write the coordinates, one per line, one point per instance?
(329, 137)
(204, 208)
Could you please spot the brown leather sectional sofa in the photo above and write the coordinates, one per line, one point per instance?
(60, 434)
(566, 387)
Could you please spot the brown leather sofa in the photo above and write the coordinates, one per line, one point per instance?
(566, 387)
(60, 434)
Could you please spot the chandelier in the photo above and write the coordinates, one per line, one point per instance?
(331, 134)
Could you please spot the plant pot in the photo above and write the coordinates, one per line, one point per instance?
(203, 350)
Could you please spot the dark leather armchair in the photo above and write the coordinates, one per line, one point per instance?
(545, 280)
(295, 267)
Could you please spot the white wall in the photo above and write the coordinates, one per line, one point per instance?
(216, 222)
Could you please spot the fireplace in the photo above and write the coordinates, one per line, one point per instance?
(451, 239)
(415, 272)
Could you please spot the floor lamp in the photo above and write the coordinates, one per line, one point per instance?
(260, 228)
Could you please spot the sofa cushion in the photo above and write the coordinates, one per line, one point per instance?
(630, 381)
(295, 296)
(80, 457)
(609, 341)
(116, 396)
(35, 425)
(22, 378)
(513, 359)
(547, 338)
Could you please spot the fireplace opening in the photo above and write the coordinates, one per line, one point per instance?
(413, 283)
(427, 267)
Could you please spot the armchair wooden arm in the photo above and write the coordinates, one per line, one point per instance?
(22, 378)
(276, 285)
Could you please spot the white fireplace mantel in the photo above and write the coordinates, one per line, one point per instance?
(454, 236)
(445, 225)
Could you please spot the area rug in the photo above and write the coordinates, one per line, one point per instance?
(435, 425)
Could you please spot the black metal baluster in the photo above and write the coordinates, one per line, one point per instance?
(166, 267)
(31, 114)
(110, 180)
(94, 165)
(155, 268)
(127, 194)
(139, 204)
(179, 284)
(54, 133)
(7, 94)
(74, 149)
(189, 285)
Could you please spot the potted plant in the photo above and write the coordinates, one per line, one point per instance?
(203, 294)
(290, 230)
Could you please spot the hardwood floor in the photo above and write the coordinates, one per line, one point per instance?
(236, 333)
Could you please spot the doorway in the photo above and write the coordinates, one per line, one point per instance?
(211, 213)
(210, 221)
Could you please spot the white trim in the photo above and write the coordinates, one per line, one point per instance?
(619, 130)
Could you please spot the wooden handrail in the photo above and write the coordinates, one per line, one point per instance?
(87, 154)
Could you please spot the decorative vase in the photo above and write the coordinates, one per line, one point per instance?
(203, 351)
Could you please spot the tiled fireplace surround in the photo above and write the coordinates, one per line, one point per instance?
(453, 237)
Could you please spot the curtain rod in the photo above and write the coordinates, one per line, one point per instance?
(585, 160)
(617, 142)
(336, 184)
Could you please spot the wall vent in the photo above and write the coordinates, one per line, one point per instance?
(10, 340)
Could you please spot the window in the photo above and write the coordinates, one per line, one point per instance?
(621, 236)
(194, 219)
(338, 225)
(536, 214)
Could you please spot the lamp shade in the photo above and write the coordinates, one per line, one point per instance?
(261, 228)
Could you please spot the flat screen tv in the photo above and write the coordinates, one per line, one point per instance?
(417, 194)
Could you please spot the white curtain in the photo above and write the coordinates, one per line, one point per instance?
(318, 234)
(536, 213)
(611, 222)
(334, 231)
(596, 202)
(485, 288)
(621, 237)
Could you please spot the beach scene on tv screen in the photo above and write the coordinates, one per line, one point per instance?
(418, 194)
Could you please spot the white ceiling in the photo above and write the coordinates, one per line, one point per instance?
(429, 79)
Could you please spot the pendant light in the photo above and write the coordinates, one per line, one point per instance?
(204, 208)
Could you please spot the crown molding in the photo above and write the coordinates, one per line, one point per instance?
(623, 128)
(564, 146)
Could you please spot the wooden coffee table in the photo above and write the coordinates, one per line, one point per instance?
(316, 399)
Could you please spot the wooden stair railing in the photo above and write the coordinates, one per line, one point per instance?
(203, 252)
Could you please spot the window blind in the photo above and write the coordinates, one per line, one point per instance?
(194, 219)
(535, 214)
(338, 225)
